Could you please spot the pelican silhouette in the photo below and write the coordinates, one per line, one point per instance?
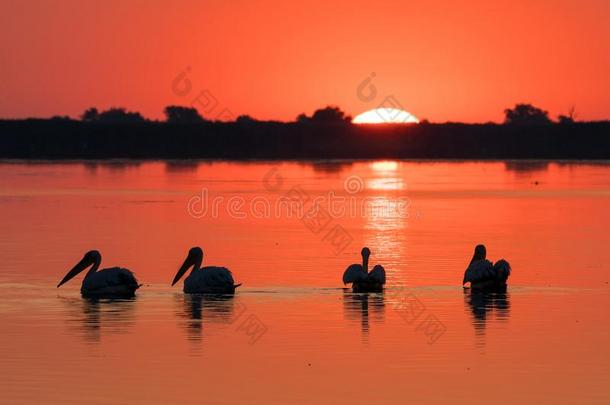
(204, 280)
(112, 282)
(483, 274)
(360, 278)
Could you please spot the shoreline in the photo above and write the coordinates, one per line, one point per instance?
(601, 161)
(65, 140)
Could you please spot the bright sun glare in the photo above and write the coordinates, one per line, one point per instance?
(385, 116)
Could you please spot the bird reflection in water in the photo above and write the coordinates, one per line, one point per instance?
(485, 306)
(198, 309)
(93, 317)
(366, 308)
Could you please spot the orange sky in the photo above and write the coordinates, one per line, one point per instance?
(441, 60)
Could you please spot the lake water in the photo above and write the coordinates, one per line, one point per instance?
(292, 334)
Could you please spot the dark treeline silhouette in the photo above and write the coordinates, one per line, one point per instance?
(526, 114)
(113, 115)
(183, 115)
(527, 133)
(329, 114)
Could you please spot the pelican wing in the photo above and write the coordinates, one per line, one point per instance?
(502, 269)
(112, 277)
(377, 274)
(480, 270)
(212, 276)
(354, 273)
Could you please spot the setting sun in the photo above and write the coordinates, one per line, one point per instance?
(385, 116)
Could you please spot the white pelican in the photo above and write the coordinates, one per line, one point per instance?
(483, 274)
(204, 280)
(111, 282)
(360, 278)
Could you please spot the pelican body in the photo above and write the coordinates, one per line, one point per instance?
(113, 282)
(483, 274)
(360, 278)
(204, 280)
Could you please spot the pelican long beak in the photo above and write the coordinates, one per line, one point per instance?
(188, 263)
(80, 266)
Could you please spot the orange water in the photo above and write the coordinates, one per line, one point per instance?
(292, 335)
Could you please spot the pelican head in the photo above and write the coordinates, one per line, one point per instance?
(365, 258)
(480, 253)
(92, 257)
(194, 258)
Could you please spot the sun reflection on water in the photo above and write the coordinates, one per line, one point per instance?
(387, 213)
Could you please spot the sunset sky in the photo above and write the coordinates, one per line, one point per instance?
(440, 60)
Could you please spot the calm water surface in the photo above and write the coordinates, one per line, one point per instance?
(292, 334)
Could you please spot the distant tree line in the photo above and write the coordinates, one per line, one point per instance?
(527, 114)
(329, 114)
(520, 114)
(71, 139)
(184, 115)
(112, 115)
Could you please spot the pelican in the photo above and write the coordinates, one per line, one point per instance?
(204, 280)
(360, 278)
(483, 274)
(111, 282)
